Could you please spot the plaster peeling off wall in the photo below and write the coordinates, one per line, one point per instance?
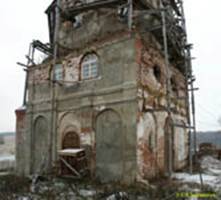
(71, 70)
(151, 76)
(161, 121)
(146, 142)
(41, 74)
(86, 138)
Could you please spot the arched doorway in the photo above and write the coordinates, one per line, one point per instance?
(40, 147)
(71, 140)
(109, 147)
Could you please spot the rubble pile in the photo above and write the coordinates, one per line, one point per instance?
(42, 188)
(60, 188)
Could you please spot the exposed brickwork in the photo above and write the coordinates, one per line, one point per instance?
(20, 125)
(152, 95)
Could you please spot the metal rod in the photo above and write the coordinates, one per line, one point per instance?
(26, 76)
(30, 60)
(183, 126)
(21, 64)
(189, 75)
(192, 89)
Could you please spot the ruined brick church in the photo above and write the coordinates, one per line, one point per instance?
(113, 84)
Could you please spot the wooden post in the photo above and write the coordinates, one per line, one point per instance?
(70, 167)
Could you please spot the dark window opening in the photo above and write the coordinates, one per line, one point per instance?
(123, 14)
(77, 22)
(174, 85)
(157, 72)
(151, 142)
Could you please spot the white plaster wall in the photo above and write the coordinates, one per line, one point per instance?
(161, 119)
(181, 144)
(71, 70)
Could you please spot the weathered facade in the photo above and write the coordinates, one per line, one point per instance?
(107, 92)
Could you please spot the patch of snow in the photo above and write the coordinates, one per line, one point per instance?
(210, 165)
(7, 162)
(24, 198)
(87, 193)
(118, 195)
(209, 162)
(213, 171)
(7, 158)
(70, 151)
(210, 180)
(22, 108)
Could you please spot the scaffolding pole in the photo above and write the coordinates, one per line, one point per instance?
(166, 56)
(52, 140)
(130, 15)
(190, 96)
(26, 77)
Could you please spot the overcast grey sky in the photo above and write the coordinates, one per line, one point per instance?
(24, 20)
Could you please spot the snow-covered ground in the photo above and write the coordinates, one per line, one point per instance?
(211, 174)
(7, 162)
(7, 152)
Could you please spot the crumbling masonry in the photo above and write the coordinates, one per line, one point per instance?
(114, 83)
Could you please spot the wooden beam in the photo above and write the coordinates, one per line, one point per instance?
(70, 167)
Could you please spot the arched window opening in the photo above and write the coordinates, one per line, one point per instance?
(89, 67)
